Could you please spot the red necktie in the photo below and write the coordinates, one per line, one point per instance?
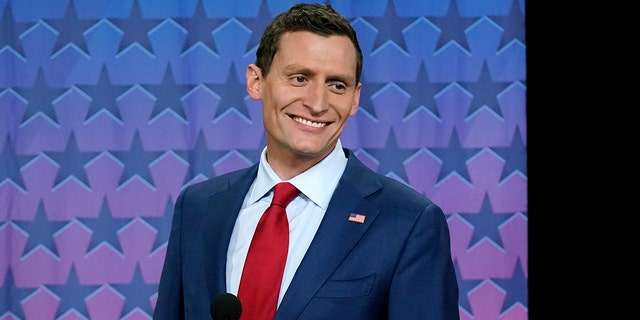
(263, 269)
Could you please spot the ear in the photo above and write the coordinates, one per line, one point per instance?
(254, 80)
(356, 100)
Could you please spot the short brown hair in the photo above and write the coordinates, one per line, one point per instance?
(318, 18)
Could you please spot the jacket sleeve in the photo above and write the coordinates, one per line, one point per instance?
(170, 301)
(424, 286)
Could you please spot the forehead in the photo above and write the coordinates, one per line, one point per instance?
(312, 50)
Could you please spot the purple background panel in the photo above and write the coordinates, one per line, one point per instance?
(108, 109)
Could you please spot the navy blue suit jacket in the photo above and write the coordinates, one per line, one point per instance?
(395, 265)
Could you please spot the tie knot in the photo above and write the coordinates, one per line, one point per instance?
(284, 192)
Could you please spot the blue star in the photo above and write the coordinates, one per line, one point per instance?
(200, 28)
(422, 92)
(105, 228)
(71, 29)
(254, 154)
(511, 24)
(12, 30)
(162, 225)
(390, 27)
(257, 24)
(516, 288)
(137, 160)
(135, 28)
(11, 297)
(137, 294)
(201, 159)
(453, 27)
(515, 156)
(168, 94)
(104, 95)
(41, 231)
(366, 102)
(72, 161)
(391, 158)
(40, 97)
(11, 163)
(485, 91)
(233, 93)
(454, 158)
(73, 295)
(486, 223)
(464, 287)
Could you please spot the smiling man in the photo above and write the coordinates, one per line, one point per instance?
(308, 92)
(347, 243)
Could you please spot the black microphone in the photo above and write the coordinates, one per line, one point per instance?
(225, 306)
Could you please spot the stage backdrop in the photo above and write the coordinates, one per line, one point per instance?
(108, 108)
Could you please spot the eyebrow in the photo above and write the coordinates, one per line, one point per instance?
(296, 68)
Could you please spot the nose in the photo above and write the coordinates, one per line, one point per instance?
(316, 97)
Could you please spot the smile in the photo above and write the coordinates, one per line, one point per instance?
(309, 123)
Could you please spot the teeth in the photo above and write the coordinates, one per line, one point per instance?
(309, 123)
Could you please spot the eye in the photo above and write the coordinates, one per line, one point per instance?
(337, 87)
(298, 80)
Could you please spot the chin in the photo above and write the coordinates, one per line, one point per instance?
(311, 150)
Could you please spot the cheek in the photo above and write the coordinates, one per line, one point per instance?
(346, 107)
(282, 95)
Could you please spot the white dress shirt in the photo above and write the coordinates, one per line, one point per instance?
(304, 213)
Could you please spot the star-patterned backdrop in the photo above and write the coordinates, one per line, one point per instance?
(108, 108)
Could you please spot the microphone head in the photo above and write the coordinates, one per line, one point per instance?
(225, 306)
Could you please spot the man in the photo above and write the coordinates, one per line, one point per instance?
(361, 245)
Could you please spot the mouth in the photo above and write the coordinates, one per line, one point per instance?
(310, 123)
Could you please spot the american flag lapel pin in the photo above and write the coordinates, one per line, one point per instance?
(356, 217)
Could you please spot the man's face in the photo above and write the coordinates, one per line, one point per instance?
(308, 95)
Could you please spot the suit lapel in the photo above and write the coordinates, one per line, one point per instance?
(334, 239)
(224, 207)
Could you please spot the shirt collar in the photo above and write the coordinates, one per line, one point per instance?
(317, 183)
